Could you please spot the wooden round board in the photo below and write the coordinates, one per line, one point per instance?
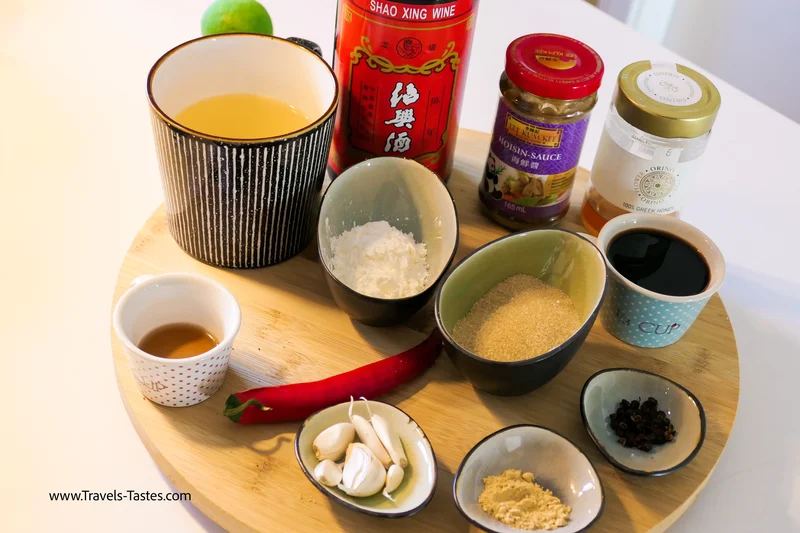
(246, 478)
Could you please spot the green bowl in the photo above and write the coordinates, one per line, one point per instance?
(563, 259)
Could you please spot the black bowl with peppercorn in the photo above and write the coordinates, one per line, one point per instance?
(643, 423)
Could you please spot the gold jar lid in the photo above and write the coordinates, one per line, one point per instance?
(666, 100)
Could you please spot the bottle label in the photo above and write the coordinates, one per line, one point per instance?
(663, 83)
(641, 177)
(531, 165)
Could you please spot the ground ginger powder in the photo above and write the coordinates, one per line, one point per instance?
(514, 499)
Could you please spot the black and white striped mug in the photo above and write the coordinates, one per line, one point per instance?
(242, 203)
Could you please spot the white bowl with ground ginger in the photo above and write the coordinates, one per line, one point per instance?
(515, 311)
(528, 478)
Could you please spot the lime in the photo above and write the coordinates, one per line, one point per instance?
(230, 16)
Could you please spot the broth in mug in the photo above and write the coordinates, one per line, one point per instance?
(243, 116)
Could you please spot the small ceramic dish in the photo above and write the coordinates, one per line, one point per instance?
(559, 257)
(556, 463)
(408, 196)
(601, 396)
(419, 480)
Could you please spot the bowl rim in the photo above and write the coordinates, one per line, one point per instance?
(555, 350)
(636, 472)
(651, 221)
(230, 140)
(460, 468)
(326, 490)
(374, 299)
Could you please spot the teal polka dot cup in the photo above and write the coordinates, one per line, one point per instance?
(641, 317)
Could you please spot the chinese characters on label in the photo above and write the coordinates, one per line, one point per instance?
(524, 163)
(403, 117)
(397, 143)
(366, 125)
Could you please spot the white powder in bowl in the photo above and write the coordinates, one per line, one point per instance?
(379, 260)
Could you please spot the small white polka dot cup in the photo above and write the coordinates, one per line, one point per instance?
(155, 301)
(645, 318)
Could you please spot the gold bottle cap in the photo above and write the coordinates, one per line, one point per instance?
(666, 100)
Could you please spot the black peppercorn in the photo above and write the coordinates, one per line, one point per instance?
(641, 425)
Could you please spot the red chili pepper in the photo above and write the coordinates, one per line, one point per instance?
(297, 401)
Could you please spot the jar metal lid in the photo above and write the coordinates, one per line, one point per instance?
(553, 66)
(666, 100)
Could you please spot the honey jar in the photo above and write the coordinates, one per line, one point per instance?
(654, 136)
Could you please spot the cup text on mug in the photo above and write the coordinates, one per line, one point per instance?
(648, 327)
(154, 386)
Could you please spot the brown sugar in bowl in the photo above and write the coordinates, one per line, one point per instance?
(561, 258)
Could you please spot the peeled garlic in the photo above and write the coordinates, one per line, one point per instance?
(368, 436)
(393, 479)
(332, 443)
(390, 440)
(363, 473)
(328, 473)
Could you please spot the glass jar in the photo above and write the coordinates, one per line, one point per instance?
(547, 91)
(655, 132)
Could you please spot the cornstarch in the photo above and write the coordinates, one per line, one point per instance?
(377, 259)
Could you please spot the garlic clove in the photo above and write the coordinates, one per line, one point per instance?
(393, 479)
(327, 472)
(332, 442)
(351, 468)
(363, 474)
(368, 436)
(390, 440)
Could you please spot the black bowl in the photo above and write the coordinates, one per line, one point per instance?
(408, 196)
(559, 257)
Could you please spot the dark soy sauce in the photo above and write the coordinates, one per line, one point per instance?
(659, 262)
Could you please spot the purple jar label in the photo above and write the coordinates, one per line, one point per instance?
(531, 165)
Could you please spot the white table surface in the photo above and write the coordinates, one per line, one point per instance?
(79, 178)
